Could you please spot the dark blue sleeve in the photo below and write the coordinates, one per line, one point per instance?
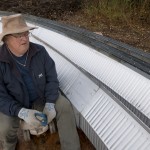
(52, 83)
(8, 105)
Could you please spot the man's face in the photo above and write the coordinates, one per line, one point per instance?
(18, 43)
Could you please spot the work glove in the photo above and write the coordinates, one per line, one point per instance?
(33, 131)
(39, 130)
(28, 115)
(50, 111)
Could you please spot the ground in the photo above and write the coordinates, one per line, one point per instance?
(137, 35)
(50, 142)
(69, 12)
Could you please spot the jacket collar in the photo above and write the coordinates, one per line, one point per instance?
(6, 57)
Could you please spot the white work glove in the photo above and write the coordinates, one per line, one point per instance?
(33, 131)
(39, 131)
(50, 111)
(28, 115)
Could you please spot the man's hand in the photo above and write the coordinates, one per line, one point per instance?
(28, 115)
(50, 111)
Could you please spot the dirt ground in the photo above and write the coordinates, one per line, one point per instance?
(48, 141)
(136, 34)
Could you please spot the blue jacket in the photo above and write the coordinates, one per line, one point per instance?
(13, 92)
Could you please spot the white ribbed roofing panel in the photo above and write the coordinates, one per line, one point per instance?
(132, 86)
(116, 128)
(72, 81)
(105, 123)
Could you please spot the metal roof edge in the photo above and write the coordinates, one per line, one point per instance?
(116, 49)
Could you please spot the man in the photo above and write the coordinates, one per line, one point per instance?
(28, 79)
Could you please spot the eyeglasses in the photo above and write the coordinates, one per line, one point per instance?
(21, 35)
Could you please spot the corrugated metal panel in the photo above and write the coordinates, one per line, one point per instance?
(106, 124)
(117, 129)
(72, 81)
(129, 84)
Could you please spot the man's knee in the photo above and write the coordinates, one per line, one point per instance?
(4, 131)
(8, 125)
(63, 105)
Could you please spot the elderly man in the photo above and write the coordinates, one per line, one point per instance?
(28, 79)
